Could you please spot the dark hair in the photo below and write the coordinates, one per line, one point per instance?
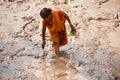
(45, 12)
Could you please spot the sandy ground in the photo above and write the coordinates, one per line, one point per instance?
(93, 54)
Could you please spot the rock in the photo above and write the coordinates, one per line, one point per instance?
(1, 50)
(11, 0)
(2, 57)
(114, 38)
(38, 73)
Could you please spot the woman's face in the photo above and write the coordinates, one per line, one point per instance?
(49, 18)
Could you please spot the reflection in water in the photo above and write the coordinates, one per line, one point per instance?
(58, 68)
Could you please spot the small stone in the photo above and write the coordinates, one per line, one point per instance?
(1, 50)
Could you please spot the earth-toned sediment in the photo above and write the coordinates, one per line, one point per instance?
(93, 54)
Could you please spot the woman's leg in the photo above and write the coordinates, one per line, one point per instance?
(56, 47)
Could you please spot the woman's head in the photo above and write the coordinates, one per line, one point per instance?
(45, 12)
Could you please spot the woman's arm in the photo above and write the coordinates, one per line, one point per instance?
(43, 35)
(69, 21)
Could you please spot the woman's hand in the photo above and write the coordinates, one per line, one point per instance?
(73, 30)
(72, 27)
(43, 44)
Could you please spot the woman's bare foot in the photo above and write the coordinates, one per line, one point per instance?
(58, 54)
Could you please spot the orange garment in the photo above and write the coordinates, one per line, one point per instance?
(57, 28)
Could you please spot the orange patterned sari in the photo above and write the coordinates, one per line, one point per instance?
(57, 28)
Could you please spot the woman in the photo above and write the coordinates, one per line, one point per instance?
(54, 20)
